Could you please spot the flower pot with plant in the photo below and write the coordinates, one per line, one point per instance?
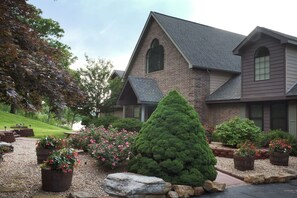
(46, 146)
(57, 170)
(244, 156)
(279, 152)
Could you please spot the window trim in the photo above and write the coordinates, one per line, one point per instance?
(262, 53)
(155, 50)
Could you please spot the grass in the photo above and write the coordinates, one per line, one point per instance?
(40, 129)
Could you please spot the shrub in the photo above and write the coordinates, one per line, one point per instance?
(129, 124)
(113, 147)
(87, 121)
(84, 138)
(246, 149)
(105, 121)
(265, 138)
(50, 142)
(172, 145)
(236, 131)
(280, 146)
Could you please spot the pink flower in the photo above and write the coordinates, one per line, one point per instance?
(113, 164)
(92, 141)
(102, 159)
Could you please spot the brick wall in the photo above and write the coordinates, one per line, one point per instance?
(191, 83)
(219, 113)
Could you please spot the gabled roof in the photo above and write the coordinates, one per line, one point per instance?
(293, 91)
(117, 73)
(283, 38)
(202, 46)
(231, 90)
(146, 90)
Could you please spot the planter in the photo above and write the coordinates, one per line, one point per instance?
(243, 163)
(279, 159)
(42, 154)
(55, 181)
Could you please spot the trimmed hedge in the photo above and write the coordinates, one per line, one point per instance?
(129, 124)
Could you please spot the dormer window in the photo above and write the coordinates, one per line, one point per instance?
(155, 57)
(262, 65)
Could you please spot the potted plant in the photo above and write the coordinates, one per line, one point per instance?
(45, 147)
(244, 156)
(279, 152)
(57, 170)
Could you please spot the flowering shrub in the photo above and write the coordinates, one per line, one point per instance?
(246, 149)
(280, 145)
(86, 137)
(111, 147)
(62, 160)
(50, 142)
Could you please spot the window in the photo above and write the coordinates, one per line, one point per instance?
(279, 116)
(132, 111)
(262, 65)
(256, 114)
(155, 57)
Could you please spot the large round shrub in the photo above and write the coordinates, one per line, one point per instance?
(172, 145)
(129, 124)
(236, 131)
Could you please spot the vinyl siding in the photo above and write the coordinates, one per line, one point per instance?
(217, 79)
(291, 69)
(273, 87)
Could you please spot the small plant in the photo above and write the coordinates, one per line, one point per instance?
(49, 142)
(280, 146)
(246, 149)
(113, 147)
(236, 131)
(64, 160)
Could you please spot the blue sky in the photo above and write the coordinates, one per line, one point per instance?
(110, 28)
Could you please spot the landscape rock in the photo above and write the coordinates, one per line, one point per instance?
(46, 196)
(199, 191)
(280, 178)
(183, 190)
(172, 194)
(146, 196)
(291, 171)
(210, 186)
(255, 179)
(134, 185)
(81, 194)
(7, 145)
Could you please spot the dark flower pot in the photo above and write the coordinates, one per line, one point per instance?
(279, 159)
(43, 154)
(243, 163)
(55, 181)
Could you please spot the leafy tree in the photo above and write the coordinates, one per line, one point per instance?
(94, 81)
(32, 68)
(172, 145)
(115, 87)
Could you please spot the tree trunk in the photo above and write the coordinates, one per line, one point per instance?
(73, 118)
(49, 116)
(12, 108)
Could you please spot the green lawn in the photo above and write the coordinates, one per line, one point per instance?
(40, 128)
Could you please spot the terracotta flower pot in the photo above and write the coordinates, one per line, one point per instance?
(243, 163)
(279, 159)
(55, 181)
(42, 154)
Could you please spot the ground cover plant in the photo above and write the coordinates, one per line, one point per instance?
(172, 145)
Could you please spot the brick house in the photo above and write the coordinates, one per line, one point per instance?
(222, 74)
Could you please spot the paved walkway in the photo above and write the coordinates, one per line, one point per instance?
(229, 180)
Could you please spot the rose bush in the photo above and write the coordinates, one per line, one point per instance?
(111, 147)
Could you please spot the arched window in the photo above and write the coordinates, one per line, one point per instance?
(262, 64)
(155, 57)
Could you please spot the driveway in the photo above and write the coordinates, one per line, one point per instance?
(279, 190)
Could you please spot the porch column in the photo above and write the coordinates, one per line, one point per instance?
(124, 111)
(142, 113)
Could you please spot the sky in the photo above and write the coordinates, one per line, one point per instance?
(110, 29)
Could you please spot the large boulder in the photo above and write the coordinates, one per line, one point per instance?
(183, 190)
(210, 186)
(134, 185)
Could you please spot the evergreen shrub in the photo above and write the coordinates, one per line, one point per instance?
(236, 131)
(129, 124)
(172, 145)
(105, 121)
